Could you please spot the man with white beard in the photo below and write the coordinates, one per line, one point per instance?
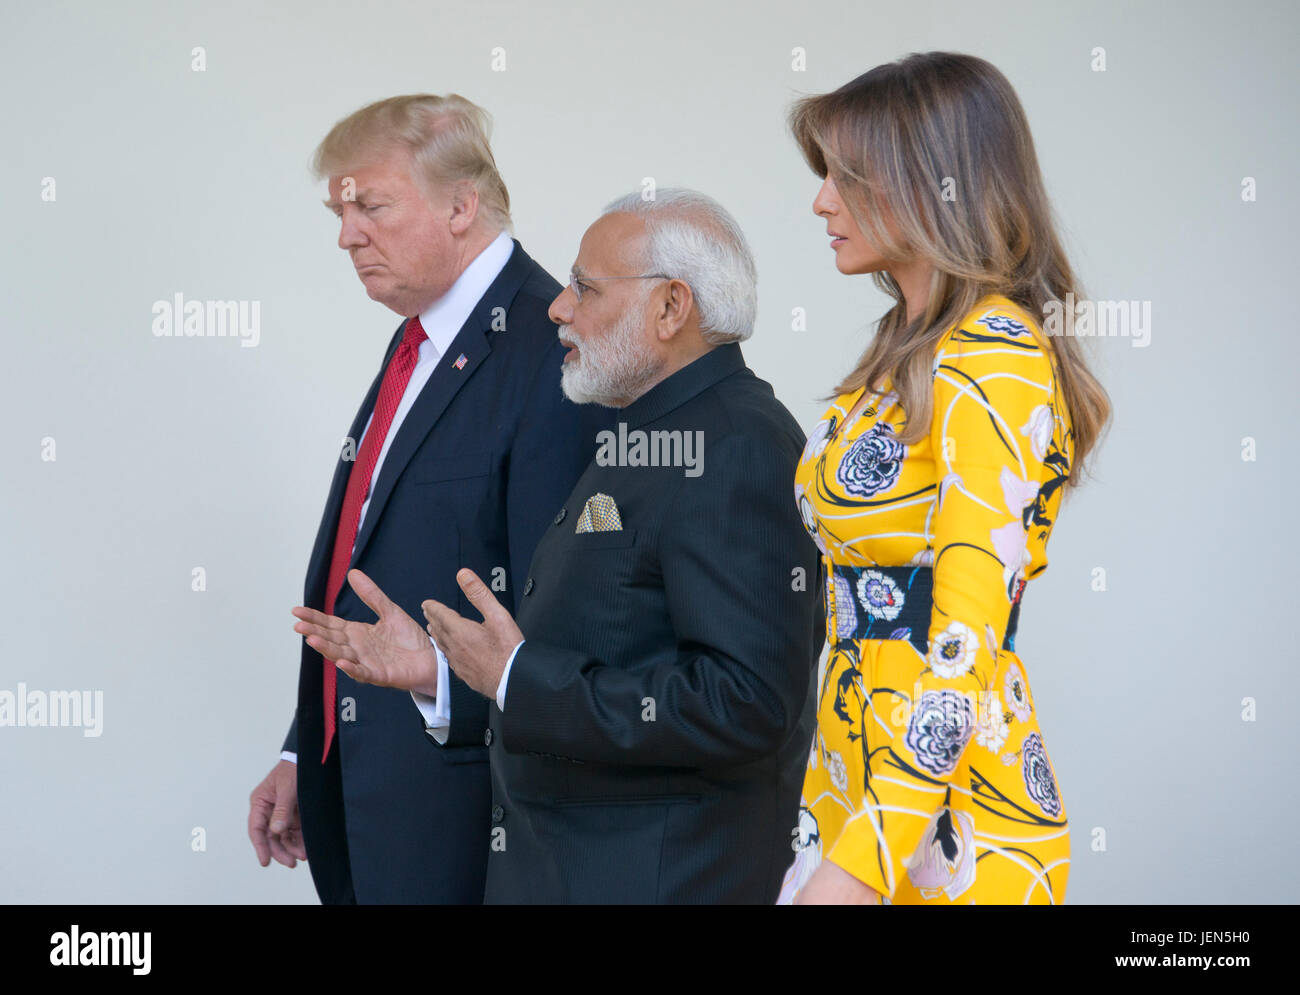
(652, 705)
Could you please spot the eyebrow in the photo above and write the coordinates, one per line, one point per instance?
(361, 195)
(577, 270)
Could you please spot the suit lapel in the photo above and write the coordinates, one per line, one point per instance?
(473, 341)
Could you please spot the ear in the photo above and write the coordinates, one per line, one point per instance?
(464, 207)
(673, 313)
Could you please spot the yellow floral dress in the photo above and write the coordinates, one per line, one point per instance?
(928, 778)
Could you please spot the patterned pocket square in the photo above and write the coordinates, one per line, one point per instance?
(599, 514)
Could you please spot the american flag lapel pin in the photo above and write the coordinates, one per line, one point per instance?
(460, 363)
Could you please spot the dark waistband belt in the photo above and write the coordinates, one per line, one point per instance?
(892, 603)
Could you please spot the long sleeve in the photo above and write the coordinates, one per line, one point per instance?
(988, 440)
(731, 689)
(290, 744)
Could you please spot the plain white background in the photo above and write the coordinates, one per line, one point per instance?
(181, 453)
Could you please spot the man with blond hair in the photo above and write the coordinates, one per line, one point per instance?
(459, 456)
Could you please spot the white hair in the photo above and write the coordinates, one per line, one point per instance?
(691, 237)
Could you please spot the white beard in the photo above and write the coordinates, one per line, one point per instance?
(613, 370)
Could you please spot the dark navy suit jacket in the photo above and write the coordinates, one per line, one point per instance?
(474, 475)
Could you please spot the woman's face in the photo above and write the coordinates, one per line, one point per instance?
(853, 252)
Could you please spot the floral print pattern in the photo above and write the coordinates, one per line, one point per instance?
(931, 781)
(873, 463)
(941, 724)
(1040, 782)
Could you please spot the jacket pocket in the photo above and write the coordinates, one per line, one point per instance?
(617, 539)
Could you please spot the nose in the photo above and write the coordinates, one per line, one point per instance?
(561, 309)
(825, 203)
(350, 234)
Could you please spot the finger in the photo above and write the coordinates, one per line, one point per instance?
(368, 591)
(361, 674)
(293, 842)
(257, 819)
(281, 854)
(280, 816)
(479, 595)
(440, 619)
(330, 635)
(331, 650)
(312, 616)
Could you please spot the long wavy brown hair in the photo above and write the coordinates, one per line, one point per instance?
(940, 140)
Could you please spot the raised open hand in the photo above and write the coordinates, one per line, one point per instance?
(392, 652)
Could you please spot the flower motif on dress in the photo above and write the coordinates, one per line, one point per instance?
(1011, 541)
(944, 860)
(809, 518)
(1039, 430)
(838, 770)
(816, 444)
(873, 463)
(1002, 325)
(953, 653)
(1011, 546)
(1017, 692)
(1017, 493)
(938, 730)
(991, 730)
(1037, 770)
(880, 596)
(846, 612)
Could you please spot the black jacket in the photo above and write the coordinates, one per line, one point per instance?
(659, 714)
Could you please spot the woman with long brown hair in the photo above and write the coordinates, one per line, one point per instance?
(931, 487)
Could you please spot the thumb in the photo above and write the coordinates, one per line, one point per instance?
(368, 591)
(280, 815)
(479, 596)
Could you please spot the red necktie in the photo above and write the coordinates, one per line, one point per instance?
(396, 377)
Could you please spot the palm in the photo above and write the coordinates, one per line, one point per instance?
(393, 651)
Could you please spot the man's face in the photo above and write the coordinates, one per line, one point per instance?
(613, 355)
(399, 238)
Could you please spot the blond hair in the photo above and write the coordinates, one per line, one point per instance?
(447, 138)
(905, 136)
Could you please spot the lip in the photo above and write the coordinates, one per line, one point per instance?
(362, 269)
(572, 347)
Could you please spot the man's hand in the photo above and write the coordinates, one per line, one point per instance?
(476, 651)
(831, 884)
(393, 652)
(273, 822)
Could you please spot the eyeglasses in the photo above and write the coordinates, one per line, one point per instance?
(576, 283)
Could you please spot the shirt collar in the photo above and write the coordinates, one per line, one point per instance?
(444, 317)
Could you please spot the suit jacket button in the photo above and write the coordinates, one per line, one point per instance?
(560, 517)
(498, 813)
(528, 587)
(487, 737)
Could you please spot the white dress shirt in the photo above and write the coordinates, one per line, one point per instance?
(441, 320)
